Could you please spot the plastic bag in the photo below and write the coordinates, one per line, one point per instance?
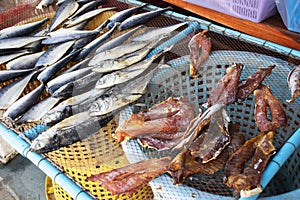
(289, 11)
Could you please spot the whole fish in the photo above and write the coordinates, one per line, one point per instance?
(65, 78)
(43, 4)
(294, 83)
(23, 104)
(9, 57)
(122, 15)
(86, 16)
(69, 131)
(117, 40)
(141, 18)
(6, 75)
(126, 74)
(124, 61)
(11, 92)
(36, 112)
(53, 54)
(156, 32)
(78, 86)
(21, 30)
(87, 7)
(117, 52)
(80, 65)
(122, 95)
(24, 62)
(70, 106)
(18, 42)
(65, 35)
(49, 71)
(94, 44)
(65, 10)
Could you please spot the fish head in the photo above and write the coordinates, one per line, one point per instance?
(102, 106)
(45, 142)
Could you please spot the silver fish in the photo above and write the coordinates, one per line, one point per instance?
(117, 40)
(53, 54)
(141, 18)
(62, 79)
(294, 83)
(65, 10)
(87, 7)
(117, 52)
(24, 62)
(43, 4)
(126, 74)
(21, 30)
(122, 95)
(70, 130)
(9, 57)
(50, 70)
(11, 92)
(70, 106)
(124, 61)
(23, 104)
(94, 44)
(36, 112)
(79, 65)
(18, 42)
(78, 86)
(86, 16)
(65, 35)
(6, 75)
(122, 15)
(156, 32)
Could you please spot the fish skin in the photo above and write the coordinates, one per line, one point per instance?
(78, 86)
(86, 16)
(117, 52)
(50, 56)
(94, 44)
(18, 42)
(118, 40)
(24, 62)
(6, 75)
(141, 18)
(62, 79)
(65, 35)
(22, 30)
(36, 112)
(156, 32)
(23, 104)
(50, 70)
(122, 15)
(87, 7)
(65, 10)
(11, 92)
(12, 56)
(70, 130)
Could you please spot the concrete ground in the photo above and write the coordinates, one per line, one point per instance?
(25, 179)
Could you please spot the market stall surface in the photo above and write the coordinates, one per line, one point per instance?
(22, 178)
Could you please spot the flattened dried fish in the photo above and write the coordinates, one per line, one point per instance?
(21, 30)
(294, 83)
(263, 96)
(65, 10)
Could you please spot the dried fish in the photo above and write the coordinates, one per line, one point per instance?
(264, 97)
(18, 42)
(6, 75)
(22, 30)
(141, 18)
(198, 42)
(87, 7)
(24, 62)
(294, 83)
(44, 3)
(65, 10)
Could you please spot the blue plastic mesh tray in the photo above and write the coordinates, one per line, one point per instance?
(177, 82)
